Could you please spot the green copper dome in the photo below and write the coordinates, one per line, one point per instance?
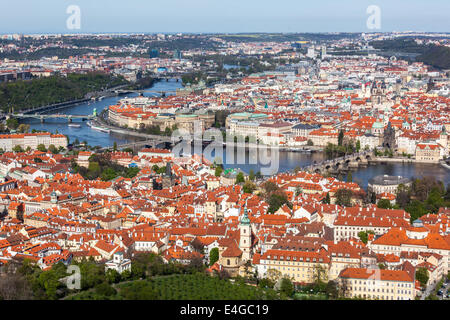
(377, 125)
(245, 219)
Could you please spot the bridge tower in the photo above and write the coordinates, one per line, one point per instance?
(42, 119)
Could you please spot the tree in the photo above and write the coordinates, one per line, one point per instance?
(273, 275)
(327, 199)
(270, 187)
(403, 196)
(309, 143)
(53, 149)
(416, 209)
(15, 287)
(105, 290)
(41, 147)
(251, 175)
(265, 283)
(358, 145)
(23, 128)
(12, 123)
(344, 197)
(364, 235)
(384, 204)
(422, 276)
(112, 276)
(277, 200)
(286, 287)
(240, 178)
(349, 177)
(373, 198)
(218, 171)
(249, 187)
(115, 146)
(332, 290)
(17, 149)
(320, 277)
(340, 137)
(213, 256)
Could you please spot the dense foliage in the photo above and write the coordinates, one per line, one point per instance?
(344, 197)
(22, 95)
(184, 287)
(436, 56)
(425, 195)
(275, 197)
(100, 165)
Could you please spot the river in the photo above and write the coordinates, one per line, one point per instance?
(287, 160)
(85, 133)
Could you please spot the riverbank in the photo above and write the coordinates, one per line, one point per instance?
(407, 160)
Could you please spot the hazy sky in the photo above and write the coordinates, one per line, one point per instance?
(39, 16)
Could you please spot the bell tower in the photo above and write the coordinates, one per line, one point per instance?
(245, 241)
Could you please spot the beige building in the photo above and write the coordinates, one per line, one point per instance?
(413, 239)
(428, 152)
(137, 119)
(321, 137)
(377, 284)
(32, 140)
(300, 266)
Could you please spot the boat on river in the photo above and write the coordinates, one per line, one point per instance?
(101, 129)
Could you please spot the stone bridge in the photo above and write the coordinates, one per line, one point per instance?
(342, 163)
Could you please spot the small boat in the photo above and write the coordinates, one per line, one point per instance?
(74, 125)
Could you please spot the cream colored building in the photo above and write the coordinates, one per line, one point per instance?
(377, 284)
(32, 140)
(300, 266)
(428, 152)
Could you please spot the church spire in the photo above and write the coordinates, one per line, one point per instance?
(245, 219)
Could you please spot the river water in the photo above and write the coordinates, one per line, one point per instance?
(287, 160)
(85, 133)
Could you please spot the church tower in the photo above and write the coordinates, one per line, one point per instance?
(443, 139)
(245, 241)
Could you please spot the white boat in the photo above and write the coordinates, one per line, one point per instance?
(106, 130)
(74, 125)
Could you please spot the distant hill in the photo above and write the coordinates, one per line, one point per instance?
(436, 56)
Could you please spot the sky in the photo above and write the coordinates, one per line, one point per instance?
(224, 16)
